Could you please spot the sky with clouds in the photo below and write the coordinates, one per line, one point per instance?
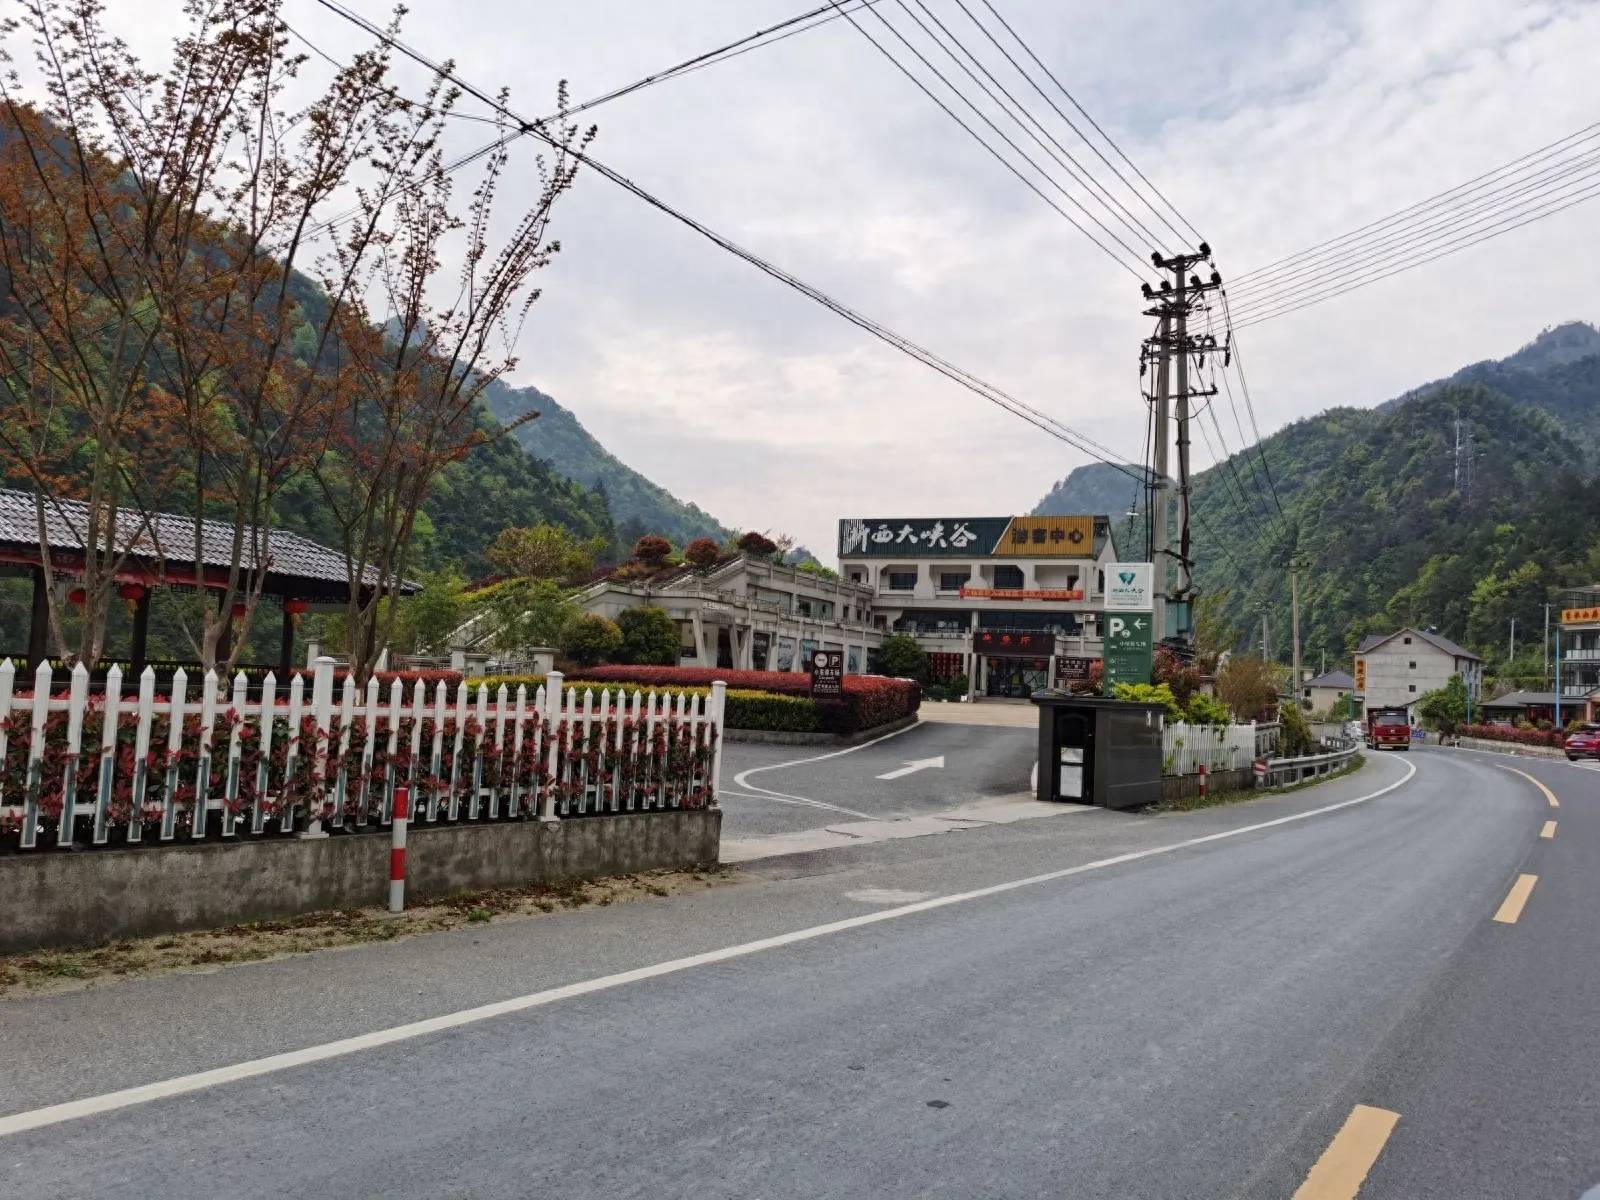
(1272, 125)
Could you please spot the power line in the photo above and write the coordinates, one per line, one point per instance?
(1031, 186)
(973, 383)
(1441, 252)
(1453, 214)
(1249, 404)
(1583, 134)
(1129, 221)
(1108, 138)
(1486, 212)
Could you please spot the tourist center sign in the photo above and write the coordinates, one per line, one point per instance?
(1129, 627)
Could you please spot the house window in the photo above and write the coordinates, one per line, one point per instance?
(803, 607)
(855, 576)
(952, 581)
(1408, 641)
(1412, 688)
(1413, 666)
(1008, 577)
(902, 581)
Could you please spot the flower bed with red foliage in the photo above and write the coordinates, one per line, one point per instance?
(385, 678)
(869, 700)
(1508, 733)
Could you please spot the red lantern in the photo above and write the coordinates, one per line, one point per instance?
(131, 594)
(78, 597)
(295, 609)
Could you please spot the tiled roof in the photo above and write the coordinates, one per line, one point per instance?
(1373, 640)
(170, 537)
(1521, 699)
(1332, 679)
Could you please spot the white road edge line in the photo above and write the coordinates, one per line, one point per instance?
(73, 1110)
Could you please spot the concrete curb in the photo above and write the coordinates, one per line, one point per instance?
(780, 738)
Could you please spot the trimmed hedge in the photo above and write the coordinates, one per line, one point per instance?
(869, 700)
(1508, 733)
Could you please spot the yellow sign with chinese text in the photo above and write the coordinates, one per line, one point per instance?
(1580, 616)
(1048, 537)
(1361, 676)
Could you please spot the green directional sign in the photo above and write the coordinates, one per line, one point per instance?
(1128, 649)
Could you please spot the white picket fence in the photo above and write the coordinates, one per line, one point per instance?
(1185, 747)
(162, 763)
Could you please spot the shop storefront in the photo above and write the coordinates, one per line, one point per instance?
(1015, 663)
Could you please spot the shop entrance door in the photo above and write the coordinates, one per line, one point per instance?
(1016, 678)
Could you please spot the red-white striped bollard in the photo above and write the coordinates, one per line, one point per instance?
(1202, 779)
(397, 849)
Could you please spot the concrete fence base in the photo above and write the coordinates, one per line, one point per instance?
(74, 898)
(1470, 743)
(1181, 787)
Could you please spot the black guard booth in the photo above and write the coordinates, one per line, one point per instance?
(1098, 751)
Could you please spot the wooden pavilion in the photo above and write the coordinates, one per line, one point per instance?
(300, 573)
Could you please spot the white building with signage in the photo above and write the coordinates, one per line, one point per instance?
(1012, 603)
(1395, 670)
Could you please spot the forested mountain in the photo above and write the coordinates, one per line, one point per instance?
(1373, 506)
(1094, 488)
(637, 505)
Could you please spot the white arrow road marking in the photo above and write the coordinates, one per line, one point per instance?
(915, 765)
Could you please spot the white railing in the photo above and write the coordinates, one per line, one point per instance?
(1185, 747)
(160, 768)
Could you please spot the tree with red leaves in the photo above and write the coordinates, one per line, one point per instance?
(652, 550)
(702, 553)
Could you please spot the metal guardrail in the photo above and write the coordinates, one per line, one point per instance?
(1280, 771)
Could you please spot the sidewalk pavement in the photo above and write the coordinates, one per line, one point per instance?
(1018, 713)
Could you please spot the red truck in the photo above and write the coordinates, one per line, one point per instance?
(1388, 727)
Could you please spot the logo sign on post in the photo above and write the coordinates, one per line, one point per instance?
(1129, 587)
(827, 674)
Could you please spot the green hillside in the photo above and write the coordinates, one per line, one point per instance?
(559, 439)
(1371, 505)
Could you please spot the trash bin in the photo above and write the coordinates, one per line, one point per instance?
(1094, 750)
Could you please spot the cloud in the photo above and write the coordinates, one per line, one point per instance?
(1272, 125)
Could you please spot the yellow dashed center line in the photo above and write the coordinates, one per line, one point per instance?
(1343, 1166)
(1549, 830)
(1548, 794)
(1511, 906)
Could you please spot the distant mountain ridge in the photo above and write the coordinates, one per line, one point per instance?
(559, 439)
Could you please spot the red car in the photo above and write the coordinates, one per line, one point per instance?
(1584, 742)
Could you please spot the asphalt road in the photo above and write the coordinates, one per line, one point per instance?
(1111, 1006)
(775, 789)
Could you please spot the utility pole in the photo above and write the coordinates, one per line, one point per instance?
(1170, 349)
(1266, 646)
(1511, 653)
(1547, 642)
(1294, 617)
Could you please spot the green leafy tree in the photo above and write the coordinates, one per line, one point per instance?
(649, 637)
(1248, 686)
(588, 639)
(543, 551)
(902, 657)
(815, 568)
(525, 613)
(1294, 734)
(426, 620)
(1445, 709)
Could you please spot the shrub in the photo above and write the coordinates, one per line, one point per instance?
(757, 545)
(652, 549)
(588, 639)
(702, 553)
(1151, 693)
(649, 636)
(1207, 710)
(901, 656)
(1505, 733)
(1294, 738)
(869, 700)
(747, 708)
